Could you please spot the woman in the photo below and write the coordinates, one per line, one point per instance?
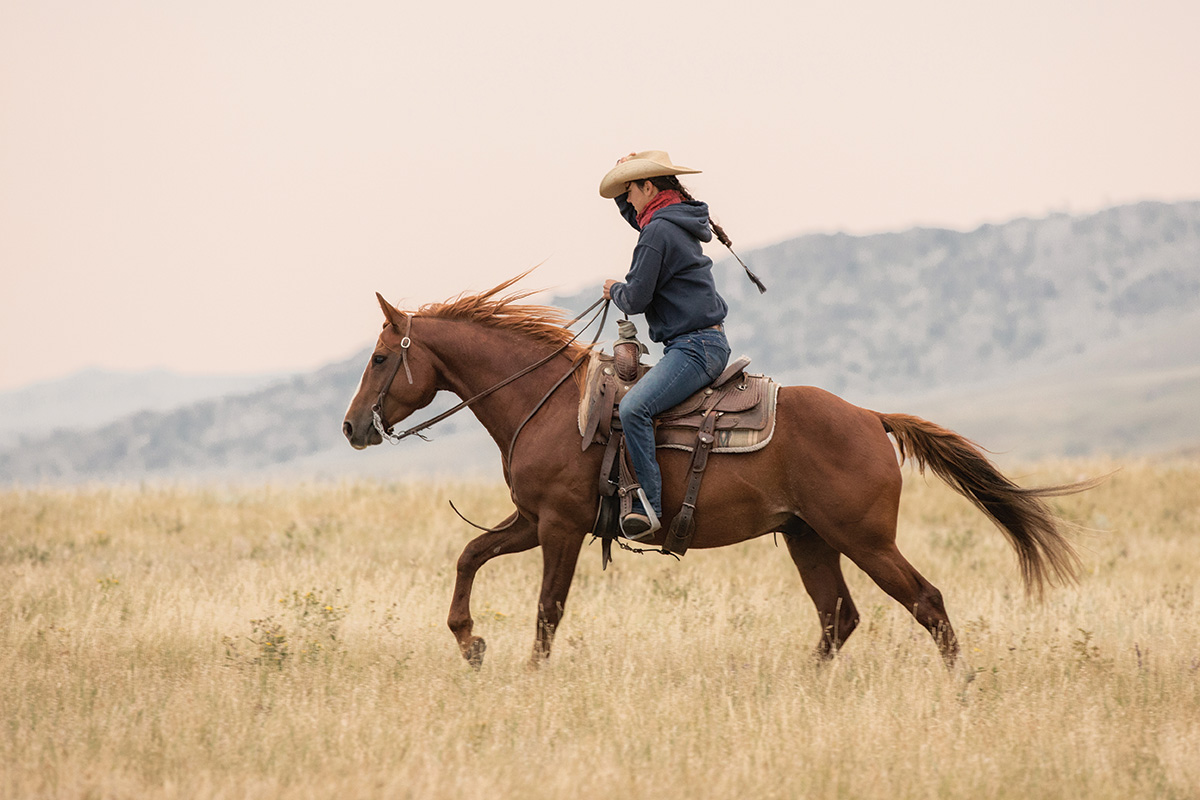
(671, 282)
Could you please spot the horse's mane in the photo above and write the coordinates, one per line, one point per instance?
(543, 324)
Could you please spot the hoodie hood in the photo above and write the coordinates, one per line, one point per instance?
(670, 279)
(691, 216)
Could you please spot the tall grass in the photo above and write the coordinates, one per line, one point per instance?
(290, 641)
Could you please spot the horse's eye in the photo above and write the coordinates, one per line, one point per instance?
(379, 359)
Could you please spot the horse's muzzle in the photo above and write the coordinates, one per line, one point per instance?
(361, 439)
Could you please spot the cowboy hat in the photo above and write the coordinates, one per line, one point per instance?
(639, 167)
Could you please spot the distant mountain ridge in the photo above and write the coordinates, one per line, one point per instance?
(924, 308)
(38, 409)
(226, 436)
(925, 317)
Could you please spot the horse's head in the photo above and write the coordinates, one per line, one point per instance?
(399, 378)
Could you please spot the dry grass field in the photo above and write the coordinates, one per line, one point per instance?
(290, 641)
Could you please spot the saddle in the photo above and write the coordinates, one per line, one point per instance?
(736, 414)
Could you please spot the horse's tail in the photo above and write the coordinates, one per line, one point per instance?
(1044, 553)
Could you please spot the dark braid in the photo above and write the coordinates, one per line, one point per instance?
(669, 183)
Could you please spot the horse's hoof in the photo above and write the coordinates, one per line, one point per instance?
(474, 651)
(541, 654)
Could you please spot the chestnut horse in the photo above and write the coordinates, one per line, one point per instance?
(829, 480)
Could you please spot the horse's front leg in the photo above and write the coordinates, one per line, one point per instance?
(518, 537)
(561, 543)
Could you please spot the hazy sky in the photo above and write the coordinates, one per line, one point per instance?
(219, 186)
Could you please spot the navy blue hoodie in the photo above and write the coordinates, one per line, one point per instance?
(671, 280)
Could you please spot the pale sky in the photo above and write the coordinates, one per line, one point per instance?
(216, 186)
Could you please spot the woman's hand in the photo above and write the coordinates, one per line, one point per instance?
(608, 289)
(623, 159)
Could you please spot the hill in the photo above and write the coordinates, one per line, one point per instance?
(928, 308)
(220, 437)
(1139, 395)
(38, 409)
(1055, 336)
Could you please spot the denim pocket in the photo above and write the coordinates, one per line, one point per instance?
(708, 350)
(716, 355)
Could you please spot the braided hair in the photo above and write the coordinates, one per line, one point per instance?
(671, 183)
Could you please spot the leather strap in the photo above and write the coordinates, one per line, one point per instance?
(607, 487)
(405, 343)
(395, 438)
(679, 537)
(607, 411)
(628, 485)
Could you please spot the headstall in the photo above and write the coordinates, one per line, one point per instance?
(406, 343)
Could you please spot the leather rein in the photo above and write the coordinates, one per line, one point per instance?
(406, 343)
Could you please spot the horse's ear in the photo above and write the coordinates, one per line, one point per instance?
(393, 315)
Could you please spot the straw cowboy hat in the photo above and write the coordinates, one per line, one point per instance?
(646, 164)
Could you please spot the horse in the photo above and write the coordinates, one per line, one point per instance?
(829, 480)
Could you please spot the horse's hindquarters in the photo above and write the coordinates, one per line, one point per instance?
(829, 463)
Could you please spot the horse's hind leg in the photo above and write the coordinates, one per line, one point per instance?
(821, 571)
(517, 538)
(891, 570)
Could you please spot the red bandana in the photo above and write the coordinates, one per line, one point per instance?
(669, 197)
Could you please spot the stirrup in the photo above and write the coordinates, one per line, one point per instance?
(635, 526)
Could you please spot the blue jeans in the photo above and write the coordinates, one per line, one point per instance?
(690, 362)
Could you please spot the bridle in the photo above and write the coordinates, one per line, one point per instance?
(377, 409)
(406, 343)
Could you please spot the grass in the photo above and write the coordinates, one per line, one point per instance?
(289, 641)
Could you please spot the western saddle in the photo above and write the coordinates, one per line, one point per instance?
(736, 414)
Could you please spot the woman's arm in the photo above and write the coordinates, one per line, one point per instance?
(634, 295)
(627, 210)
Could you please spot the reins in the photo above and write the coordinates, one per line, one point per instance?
(603, 318)
(406, 342)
